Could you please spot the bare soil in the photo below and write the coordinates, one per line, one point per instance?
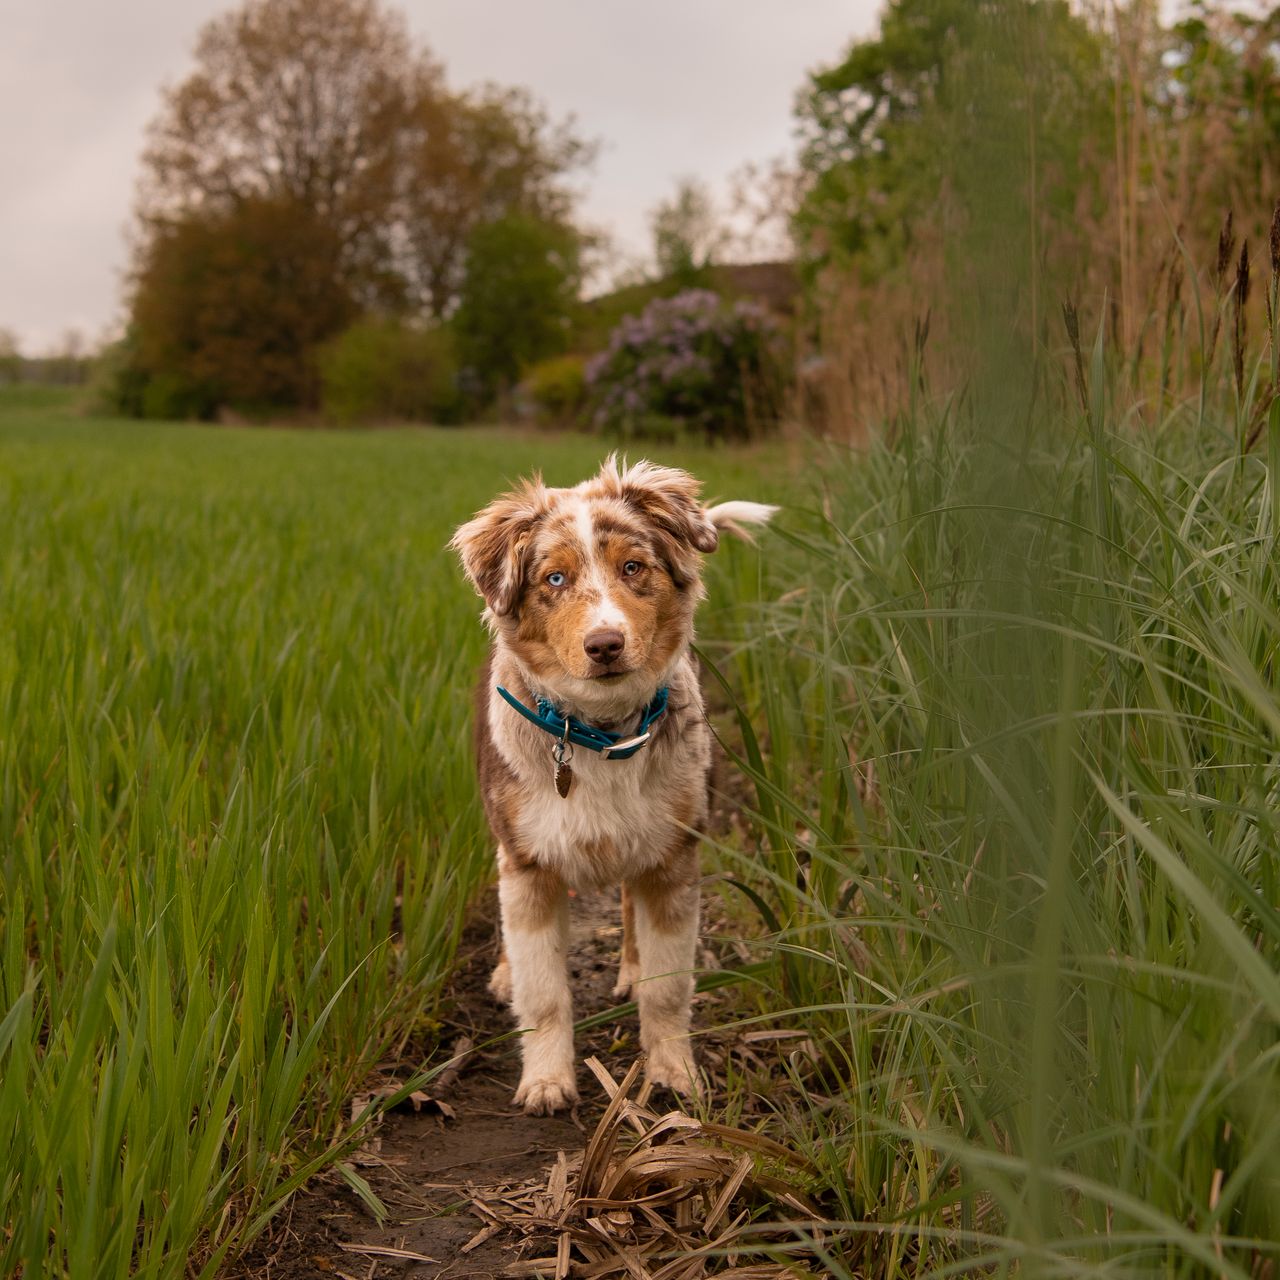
(427, 1169)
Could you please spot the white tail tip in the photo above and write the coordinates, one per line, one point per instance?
(731, 516)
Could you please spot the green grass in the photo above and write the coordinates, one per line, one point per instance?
(1017, 796)
(238, 824)
(1007, 695)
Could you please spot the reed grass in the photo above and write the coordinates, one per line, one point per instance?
(1013, 747)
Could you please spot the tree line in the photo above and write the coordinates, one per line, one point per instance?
(323, 220)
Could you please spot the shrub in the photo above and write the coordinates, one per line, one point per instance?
(692, 358)
(556, 389)
(385, 370)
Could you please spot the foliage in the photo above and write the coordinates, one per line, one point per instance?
(557, 389)
(486, 154)
(519, 299)
(328, 114)
(10, 357)
(239, 830)
(1108, 150)
(692, 358)
(688, 236)
(383, 370)
(887, 129)
(229, 309)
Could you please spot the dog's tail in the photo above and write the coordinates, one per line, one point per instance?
(730, 517)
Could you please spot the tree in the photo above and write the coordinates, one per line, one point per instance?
(519, 298)
(478, 157)
(308, 103)
(230, 307)
(10, 357)
(763, 201)
(887, 130)
(688, 234)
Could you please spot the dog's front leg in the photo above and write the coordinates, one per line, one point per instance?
(665, 903)
(535, 932)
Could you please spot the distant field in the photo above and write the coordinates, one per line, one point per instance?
(235, 685)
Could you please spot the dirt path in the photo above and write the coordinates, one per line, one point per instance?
(427, 1169)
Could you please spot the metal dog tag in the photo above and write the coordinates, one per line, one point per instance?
(563, 753)
(564, 778)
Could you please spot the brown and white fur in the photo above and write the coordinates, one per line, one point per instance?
(590, 594)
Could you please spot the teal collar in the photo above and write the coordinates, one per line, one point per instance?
(611, 746)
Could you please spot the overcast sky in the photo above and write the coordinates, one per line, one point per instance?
(670, 87)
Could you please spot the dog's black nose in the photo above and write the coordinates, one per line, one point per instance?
(604, 646)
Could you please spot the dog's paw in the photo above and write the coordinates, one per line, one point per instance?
(628, 976)
(500, 982)
(671, 1064)
(545, 1095)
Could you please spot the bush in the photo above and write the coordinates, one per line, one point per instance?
(118, 383)
(556, 389)
(382, 370)
(692, 358)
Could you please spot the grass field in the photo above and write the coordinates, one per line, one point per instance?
(238, 827)
(1007, 699)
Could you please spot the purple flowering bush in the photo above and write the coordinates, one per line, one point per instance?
(692, 358)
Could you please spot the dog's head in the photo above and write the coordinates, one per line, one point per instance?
(593, 588)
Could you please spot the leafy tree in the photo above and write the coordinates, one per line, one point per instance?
(478, 157)
(1212, 89)
(688, 234)
(519, 298)
(229, 309)
(308, 103)
(10, 356)
(888, 129)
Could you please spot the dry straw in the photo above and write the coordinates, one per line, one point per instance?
(656, 1197)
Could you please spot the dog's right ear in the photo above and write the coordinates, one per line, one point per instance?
(492, 545)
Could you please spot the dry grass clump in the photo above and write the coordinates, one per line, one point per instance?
(658, 1197)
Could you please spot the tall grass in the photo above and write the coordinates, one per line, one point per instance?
(1018, 805)
(238, 824)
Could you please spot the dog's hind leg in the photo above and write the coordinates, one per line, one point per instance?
(666, 927)
(535, 933)
(629, 961)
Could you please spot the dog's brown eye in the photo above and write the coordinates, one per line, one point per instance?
(556, 579)
(631, 568)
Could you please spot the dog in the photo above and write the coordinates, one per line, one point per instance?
(592, 745)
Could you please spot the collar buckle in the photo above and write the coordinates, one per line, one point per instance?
(630, 744)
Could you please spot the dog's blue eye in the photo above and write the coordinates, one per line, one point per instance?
(556, 579)
(631, 568)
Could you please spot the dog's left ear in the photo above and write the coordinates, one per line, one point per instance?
(669, 499)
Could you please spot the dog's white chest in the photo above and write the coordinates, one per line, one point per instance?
(614, 823)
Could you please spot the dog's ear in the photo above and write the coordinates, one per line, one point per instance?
(668, 499)
(493, 545)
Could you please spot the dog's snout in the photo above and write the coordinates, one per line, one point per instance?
(604, 646)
